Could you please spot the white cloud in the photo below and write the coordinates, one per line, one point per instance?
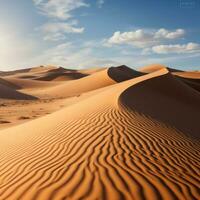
(60, 9)
(137, 38)
(143, 38)
(177, 48)
(100, 3)
(56, 30)
(54, 37)
(166, 34)
(153, 41)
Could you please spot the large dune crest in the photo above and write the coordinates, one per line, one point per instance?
(136, 136)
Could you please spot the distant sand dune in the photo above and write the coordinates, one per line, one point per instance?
(60, 74)
(77, 87)
(106, 147)
(191, 75)
(94, 81)
(8, 91)
(27, 70)
(152, 68)
(28, 83)
(123, 73)
(156, 67)
(4, 82)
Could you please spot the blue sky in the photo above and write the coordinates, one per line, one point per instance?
(91, 33)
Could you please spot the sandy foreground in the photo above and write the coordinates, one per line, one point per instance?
(103, 133)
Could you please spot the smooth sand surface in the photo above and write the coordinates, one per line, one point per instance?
(77, 87)
(156, 67)
(122, 134)
(192, 75)
(151, 68)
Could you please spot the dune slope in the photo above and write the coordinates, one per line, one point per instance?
(156, 67)
(60, 74)
(8, 84)
(95, 81)
(123, 73)
(193, 83)
(77, 87)
(100, 148)
(168, 100)
(21, 83)
(192, 79)
(7, 92)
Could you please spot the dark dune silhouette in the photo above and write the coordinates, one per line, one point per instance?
(123, 73)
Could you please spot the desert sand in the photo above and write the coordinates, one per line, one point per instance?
(101, 133)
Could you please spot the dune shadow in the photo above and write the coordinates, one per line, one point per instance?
(56, 73)
(9, 84)
(9, 93)
(193, 83)
(174, 70)
(168, 100)
(123, 73)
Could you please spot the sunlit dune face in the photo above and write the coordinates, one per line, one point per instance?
(114, 135)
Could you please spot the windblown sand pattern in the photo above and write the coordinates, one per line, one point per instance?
(106, 147)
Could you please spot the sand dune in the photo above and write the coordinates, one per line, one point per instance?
(94, 81)
(49, 73)
(121, 143)
(191, 75)
(21, 83)
(77, 87)
(190, 78)
(43, 68)
(31, 72)
(160, 97)
(28, 70)
(156, 67)
(8, 93)
(60, 74)
(192, 82)
(123, 73)
(151, 68)
(4, 82)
